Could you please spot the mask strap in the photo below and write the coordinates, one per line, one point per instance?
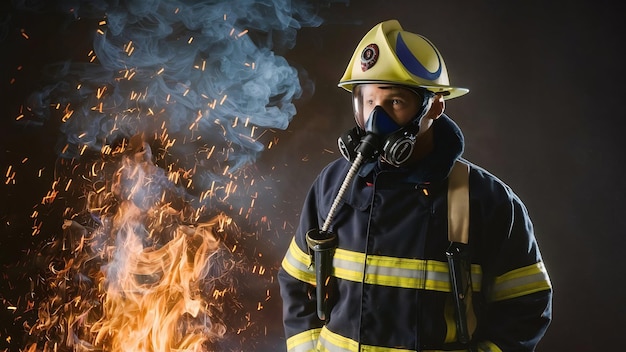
(427, 103)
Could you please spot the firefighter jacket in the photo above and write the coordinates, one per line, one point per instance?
(390, 289)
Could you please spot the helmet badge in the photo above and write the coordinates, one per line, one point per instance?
(369, 56)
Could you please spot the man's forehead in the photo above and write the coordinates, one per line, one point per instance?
(385, 88)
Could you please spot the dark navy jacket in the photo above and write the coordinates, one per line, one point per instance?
(390, 286)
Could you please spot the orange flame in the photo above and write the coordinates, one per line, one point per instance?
(156, 303)
(147, 279)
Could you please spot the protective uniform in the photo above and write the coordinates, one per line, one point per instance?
(390, 289)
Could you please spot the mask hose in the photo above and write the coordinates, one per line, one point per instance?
(368, 147)
(323, 242)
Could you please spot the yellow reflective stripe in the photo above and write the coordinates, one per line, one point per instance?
(449, 314)
(407, 273)
(397, 272)
(488, 346)
(348, 265)
(332, 342)
(304, 341)
(522, 281)
(366, 348)
(298, 264)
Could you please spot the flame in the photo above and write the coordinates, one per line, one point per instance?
(156, 303)
(148, 277)
(146, 258)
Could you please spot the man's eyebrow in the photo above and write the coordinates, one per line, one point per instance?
(400, 93)
(395, 90)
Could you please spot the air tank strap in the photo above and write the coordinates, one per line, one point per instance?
(459, 260)
(458, 203)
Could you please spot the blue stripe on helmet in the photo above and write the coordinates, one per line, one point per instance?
(412, 64)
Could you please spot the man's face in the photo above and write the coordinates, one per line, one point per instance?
(401, 104)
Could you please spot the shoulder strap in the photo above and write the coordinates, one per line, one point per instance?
(458, 203)
(458, 232)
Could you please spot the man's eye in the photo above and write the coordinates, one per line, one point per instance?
(397, 102)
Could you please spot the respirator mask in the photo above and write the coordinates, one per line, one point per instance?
(396, 142)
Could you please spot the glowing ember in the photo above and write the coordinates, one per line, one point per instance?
(160, 124)
(145, 279)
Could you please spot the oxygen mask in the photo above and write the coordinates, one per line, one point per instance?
(380, 123)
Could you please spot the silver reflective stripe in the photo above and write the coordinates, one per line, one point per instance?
(418, 277)
(332, 342)
(304, 348)
(348, 265)
(297, 264)
(396, 272)
(305, 341)
(522, 281)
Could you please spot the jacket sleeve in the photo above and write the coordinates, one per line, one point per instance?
(516, 288)
(296, 278)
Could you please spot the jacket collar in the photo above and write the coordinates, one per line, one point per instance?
(433, 169)
(449, 145)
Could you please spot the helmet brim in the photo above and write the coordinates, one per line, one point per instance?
(447, 92)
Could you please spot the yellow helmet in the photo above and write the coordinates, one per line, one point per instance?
(388, 54)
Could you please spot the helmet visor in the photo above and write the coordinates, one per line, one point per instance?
(404, 104)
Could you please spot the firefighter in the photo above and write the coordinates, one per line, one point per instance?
(398, 282)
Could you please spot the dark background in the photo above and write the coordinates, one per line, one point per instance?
(544, 114)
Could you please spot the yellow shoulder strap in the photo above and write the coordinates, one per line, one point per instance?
(458, 221)
(458, 203)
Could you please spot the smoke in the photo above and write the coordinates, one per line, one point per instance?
(202, 80)
(168, 106)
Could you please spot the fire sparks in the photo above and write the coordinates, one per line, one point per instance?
(139, 240)
(147, 275)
